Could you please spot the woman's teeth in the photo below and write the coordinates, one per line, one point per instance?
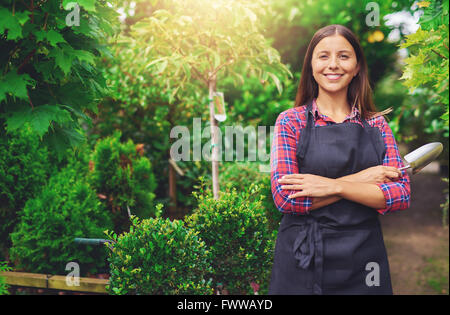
(333, 76)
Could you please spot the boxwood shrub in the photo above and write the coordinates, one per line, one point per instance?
(235, 230)
(158, 256)
(241, 175)
(123, 179)
(24, 170)
(67, 207)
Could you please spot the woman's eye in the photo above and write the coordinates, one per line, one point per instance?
(324, 56)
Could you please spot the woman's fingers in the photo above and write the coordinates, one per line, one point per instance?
(297, 194)
(392, 174)
(290, 176)
(290, 181)
(292, 187)
(391, 169)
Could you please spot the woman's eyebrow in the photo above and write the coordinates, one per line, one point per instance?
(326, 51)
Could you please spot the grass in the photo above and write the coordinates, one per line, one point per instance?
(435, 273)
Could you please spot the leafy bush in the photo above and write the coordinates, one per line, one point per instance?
(258, 102)
(158, 256)
(138, 105)
(66, 208)
(235, 230)
(123, 179)
(49, 74)
(3, 285)
(427, 67)
(241, 176)
(23, 171)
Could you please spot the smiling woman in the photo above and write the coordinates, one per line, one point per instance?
(334, 169)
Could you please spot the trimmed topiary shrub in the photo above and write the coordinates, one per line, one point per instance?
(24, 171)
(235, 230)
(67, 207)
(241, 176)
(158, 256)
(123, 180)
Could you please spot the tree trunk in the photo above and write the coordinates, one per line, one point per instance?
(172, 193)
(214, 140)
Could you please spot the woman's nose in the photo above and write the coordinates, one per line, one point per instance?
(333, 63)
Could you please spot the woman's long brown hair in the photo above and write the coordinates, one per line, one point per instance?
(359, 91)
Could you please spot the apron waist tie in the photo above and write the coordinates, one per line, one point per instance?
(308, 245)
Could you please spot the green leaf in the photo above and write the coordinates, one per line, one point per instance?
(54, 38)
(39, 118)
(15, 84)
(162, 66)
(22, 17)
(84, 55)
(51, 36)
(415, 38)
(63, 59)
(10, 23)
(276, 81)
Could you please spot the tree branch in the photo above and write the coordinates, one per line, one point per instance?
(45, 23)
(222, 65)
(26, 5)
(27, 59)
(29, 98)
(438, 54)
(32, 11)
(199, 76)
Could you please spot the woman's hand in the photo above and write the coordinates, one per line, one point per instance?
(376, 174)
(309, 185)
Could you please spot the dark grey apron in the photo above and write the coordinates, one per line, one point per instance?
(333, 249)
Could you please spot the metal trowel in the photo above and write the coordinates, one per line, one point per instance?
(421, 157)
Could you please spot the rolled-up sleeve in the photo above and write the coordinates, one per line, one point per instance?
(283, 161)
(396, 193)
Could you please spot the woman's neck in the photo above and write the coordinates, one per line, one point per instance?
(333, 105)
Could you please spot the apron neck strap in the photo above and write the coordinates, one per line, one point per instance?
(307, 130)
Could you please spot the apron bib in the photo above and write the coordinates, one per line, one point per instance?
(333, 249)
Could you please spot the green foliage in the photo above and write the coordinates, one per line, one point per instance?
(241, 176)
(123, 179)
(48, 73)
(193, 45)
(24, 169)
(426, 68)
(257, 102)
(158, 256)
(426, 73)
(157, 81)
(236, 233)
(67, 207)
(138, 106)
(3, 285)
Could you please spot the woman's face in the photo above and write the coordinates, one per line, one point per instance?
(334, 63)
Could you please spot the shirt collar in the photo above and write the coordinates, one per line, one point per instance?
(354, 113)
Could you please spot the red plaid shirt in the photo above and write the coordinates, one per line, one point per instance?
(283, 159)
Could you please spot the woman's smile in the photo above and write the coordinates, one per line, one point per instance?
(333, 77)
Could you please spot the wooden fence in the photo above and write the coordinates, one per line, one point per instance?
(36, 280)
